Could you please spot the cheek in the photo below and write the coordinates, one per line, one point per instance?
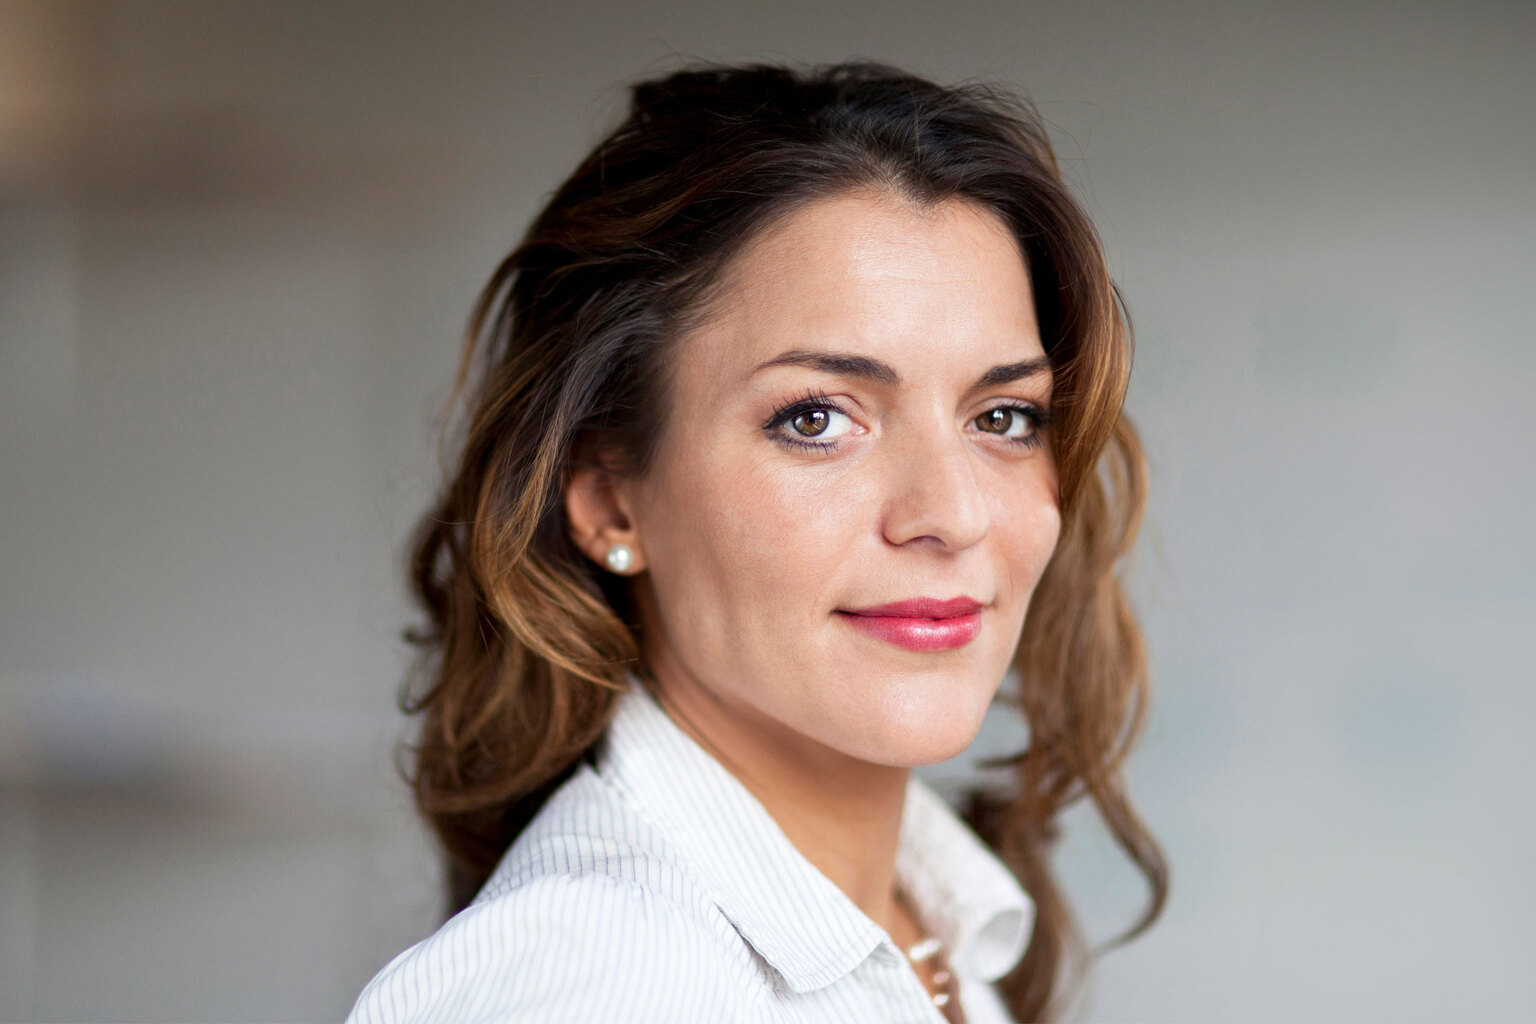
(1034, 528)
(739, 549)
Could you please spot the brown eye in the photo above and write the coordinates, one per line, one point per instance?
(813, 423)
(996, 421)
(810, 423)
(1015, 422)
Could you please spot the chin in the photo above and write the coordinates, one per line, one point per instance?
(925, 725)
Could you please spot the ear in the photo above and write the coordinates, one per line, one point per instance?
(598, 508)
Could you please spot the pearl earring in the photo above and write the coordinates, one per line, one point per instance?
(619, 558)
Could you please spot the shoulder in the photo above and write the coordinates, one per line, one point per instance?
(579, 923)
(560, 948)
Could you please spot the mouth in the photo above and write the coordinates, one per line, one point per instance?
(920, 624)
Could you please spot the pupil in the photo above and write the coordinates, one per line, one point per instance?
(811, 423)
(997, 420)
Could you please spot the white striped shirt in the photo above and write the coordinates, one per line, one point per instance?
(655, 888)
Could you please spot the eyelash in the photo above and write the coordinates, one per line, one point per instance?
(811, 400)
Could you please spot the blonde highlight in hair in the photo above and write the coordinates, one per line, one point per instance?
(526, 643)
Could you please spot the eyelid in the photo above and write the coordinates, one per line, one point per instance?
(804, 401)
(1038, 415)
(809, 400)
(1040, 411)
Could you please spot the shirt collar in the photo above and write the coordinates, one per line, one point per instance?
(971, 901)
(794, 916)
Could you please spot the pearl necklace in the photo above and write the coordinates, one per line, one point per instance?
(947, 998)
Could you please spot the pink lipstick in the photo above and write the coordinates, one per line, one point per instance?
(921, 624)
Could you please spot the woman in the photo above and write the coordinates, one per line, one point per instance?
(794, 422)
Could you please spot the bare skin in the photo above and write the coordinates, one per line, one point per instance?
(922, 475)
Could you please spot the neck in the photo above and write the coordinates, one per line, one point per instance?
(841, 813)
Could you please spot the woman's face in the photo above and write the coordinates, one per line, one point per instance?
(855, 426)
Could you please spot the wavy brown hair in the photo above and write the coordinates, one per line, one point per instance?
(527, 643)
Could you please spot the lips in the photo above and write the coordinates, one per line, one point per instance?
(919, 624)
(921, 608)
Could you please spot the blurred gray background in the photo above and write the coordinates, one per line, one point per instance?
(238, 243)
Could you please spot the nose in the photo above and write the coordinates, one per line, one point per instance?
(934, 494)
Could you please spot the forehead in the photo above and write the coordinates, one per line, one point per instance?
(873, 273)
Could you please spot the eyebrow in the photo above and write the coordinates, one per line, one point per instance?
(865, 368)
